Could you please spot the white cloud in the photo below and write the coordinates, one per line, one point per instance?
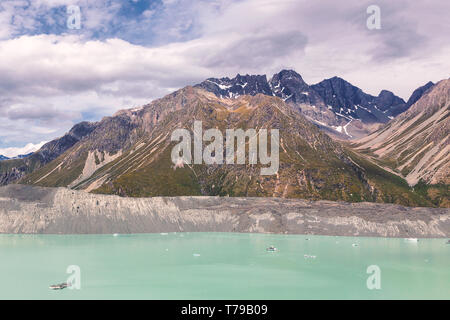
(14, 152)
(49, 82)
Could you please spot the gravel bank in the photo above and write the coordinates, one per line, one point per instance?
(29, 209)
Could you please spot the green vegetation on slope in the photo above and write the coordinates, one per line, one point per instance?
(66, 173)
(438, 194)
(390, 188)
(156, 179)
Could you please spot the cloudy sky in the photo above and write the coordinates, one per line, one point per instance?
(129, 52)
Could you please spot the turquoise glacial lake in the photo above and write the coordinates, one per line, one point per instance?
(222, 266)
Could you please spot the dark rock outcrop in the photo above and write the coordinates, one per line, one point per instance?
(351, 102)
(237, 86)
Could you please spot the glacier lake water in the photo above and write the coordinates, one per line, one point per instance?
(222, 266)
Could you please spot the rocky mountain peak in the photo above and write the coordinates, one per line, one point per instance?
(387, 100)
(286, 74)
(386, 94)
(418, 93)
(81, 129)
(237, 86)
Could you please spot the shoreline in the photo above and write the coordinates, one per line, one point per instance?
(36, 210)
(213, 232)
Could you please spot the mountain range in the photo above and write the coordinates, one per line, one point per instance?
(128, 154)
(335, 105)
(20, 156)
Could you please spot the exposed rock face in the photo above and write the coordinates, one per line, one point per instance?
(238, 86)
(417, 142)
(12, 174)
(349, 101)
(290, 86)
(55, 148)
(27, 209)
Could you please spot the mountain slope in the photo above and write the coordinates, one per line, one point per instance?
(129, 154)
(12, 170)
(3, 158)
(417, 143)
(415, 96)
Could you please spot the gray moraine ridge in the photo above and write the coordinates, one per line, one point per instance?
(37, 210)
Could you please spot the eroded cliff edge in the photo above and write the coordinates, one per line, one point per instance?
(28, 209)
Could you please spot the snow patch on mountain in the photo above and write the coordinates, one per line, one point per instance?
(221, 86)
